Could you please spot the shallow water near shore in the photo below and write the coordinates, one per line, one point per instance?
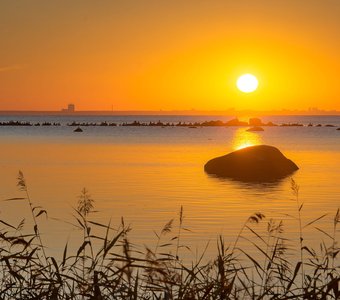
(146, 174)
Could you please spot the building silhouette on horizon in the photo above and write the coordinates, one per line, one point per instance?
(70, 108)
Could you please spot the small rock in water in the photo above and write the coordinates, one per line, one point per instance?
(78, 129)
(255, 128)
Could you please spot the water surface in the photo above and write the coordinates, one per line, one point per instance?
(145, 174)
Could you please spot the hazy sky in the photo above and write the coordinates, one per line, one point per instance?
(175, 54)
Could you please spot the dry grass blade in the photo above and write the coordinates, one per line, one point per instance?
(82, 247)
(64, 255)
(296, 271)
(337, 217)
(56, 269)
(7, 224)
(108, 247)
(80, 223)
(20, 225)
(101, 225)
(256, 263)
(15, 199)
(42, 211)
(256, 234)
(315, 220)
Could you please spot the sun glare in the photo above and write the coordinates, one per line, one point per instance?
(243, 139)
(247, 83)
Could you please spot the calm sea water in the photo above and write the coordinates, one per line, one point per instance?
(145, 174)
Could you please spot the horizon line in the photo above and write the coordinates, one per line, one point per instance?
(314, 111)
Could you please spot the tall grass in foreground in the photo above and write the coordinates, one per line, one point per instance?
(109, 266)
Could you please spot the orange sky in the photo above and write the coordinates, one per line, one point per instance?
(151, 54)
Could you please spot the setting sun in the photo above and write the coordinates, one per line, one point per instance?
(247, 83)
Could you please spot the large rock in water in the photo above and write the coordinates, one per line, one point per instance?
(260, 163)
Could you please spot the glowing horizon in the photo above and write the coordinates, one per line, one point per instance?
(169, 56)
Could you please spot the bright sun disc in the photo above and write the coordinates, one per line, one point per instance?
(247, 83)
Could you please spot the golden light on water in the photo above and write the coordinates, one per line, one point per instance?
(243, 139)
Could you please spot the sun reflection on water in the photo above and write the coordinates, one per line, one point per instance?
(243, 139)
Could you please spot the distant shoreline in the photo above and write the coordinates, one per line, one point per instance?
(255, 123)
(170, 113)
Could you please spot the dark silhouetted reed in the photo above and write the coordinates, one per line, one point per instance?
(109, 266)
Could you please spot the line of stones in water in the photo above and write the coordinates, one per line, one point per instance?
(217, 123)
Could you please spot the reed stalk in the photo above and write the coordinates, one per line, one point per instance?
(23, 187)
(119, 269)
